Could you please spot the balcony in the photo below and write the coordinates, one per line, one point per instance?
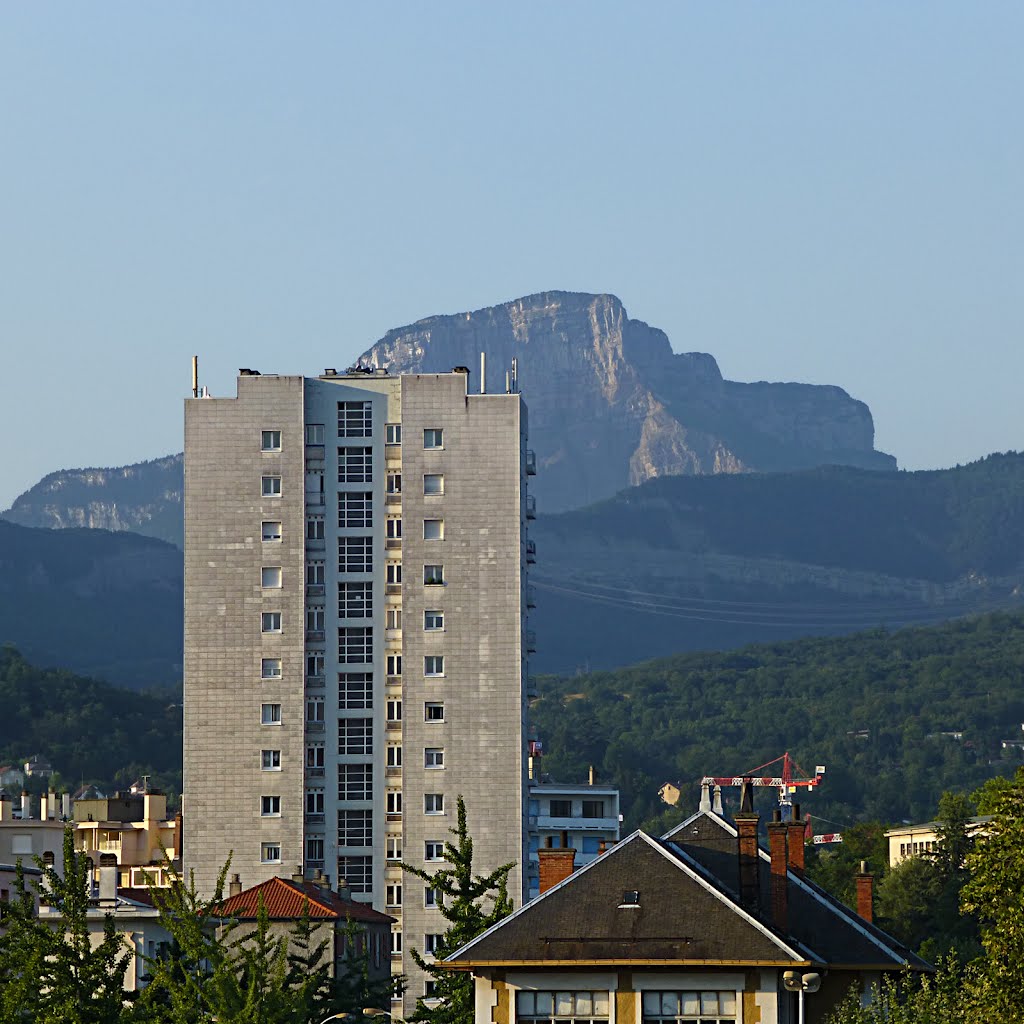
(530, 641)
(394, 726)
(315, 590)
(314, 773)
(316, 682)
(531, 507)
(531, 597)
(314, 726)
(392, 543)
(316, 544)
(315, 453)
(531, 552)
(314, 819)
(393, 498)
(314, 499)
(531, 462)
(315, 636)
(393, 589)
(393, 770)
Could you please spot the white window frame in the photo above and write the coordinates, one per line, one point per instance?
(431, 578)
(270, 440)
(271, 531)
(270, 853)
(268, 575)
(433, 758)
(433, 438)
(270, 486)
(270, 760)
(270, 622)
(393, 617)
(433, 666)
(315, 433)
(433, 851)
(430, 900)
(393, 801)
(431, 941)
(270, 807)
(270, 668)
(268, 716)
(433, 529)
(433, 620)
(392, 433)
(436, 481)
(393, 894)
(433, 803)
(393, 848)
(433, 704)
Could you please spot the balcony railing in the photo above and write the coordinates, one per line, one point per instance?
(393, 769)
(394, 726)
(315, 451)
(315, 590)
(316, 682)
(393, 588)
(531, 462)
(314, 864)
(314, 773)
(393, 499)
(315, 636)
(314, 819)
(314, 498)
(314, 726)
(531, 507)
(393, 542)
(531, 551)
(316, 544)
(531, 597)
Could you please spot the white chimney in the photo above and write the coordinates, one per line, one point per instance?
(6, 809)
(108, 883)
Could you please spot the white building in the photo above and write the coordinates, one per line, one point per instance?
(355, 650)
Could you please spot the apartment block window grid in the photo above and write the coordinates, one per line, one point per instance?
(358, 872)
(679, 1007)
(355, 465)
(355, 735)
(355, 554)
(355, 691)
(355, 600)
(355, 419)
(355, 782)
(355, 509)
(355, 645)
(355, 828)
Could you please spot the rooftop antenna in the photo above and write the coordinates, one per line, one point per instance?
(515, 374)
(195, 376)
(483, 373)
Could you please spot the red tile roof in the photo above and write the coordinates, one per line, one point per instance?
(285, 899)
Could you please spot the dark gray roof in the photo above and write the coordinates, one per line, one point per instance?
(689, 911)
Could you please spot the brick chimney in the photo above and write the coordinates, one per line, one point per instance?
(797, 831)
(746, 825)
(556, 865)
(865, 893)
(778, 831)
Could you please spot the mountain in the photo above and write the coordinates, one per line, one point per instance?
(143, 498)
(611, 405)
(96, 602)
(715, 562)
(896, 718)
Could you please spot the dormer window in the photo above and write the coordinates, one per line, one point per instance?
(630, 898)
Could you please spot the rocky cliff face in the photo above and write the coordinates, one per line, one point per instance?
(611, 405)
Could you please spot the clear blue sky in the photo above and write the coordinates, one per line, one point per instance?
(816, 192)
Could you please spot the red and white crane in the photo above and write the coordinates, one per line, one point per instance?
(790, 779)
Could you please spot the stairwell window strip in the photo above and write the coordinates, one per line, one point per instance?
(355, 782)
(355, 465)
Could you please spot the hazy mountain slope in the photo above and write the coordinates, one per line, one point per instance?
(684, 563)
(143, 498)
(612, 405)
(96, 602)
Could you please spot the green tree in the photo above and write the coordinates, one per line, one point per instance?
(470, 904)
(51, 972)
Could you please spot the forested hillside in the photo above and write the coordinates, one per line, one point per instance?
(872, 707)
(88, 730)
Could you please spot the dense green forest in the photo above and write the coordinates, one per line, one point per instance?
(872, 707)
(90, 731)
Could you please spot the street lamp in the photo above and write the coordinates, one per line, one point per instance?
(794, 981)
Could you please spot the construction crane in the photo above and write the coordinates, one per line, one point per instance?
(790, 779)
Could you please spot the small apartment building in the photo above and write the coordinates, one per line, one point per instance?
(919, 840)
(26, 838)
(585, 818)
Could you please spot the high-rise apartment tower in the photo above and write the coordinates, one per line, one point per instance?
(355, 644)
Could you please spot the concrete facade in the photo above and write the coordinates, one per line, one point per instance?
(400, 686)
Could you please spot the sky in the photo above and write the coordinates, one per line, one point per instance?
(827, 193)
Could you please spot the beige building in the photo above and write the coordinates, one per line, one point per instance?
(918, 840)
(355, 650)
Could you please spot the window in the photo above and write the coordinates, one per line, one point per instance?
(396, 943)
(430, 897)
(270, 668)
(270, 487)
(270, 807)
(355, 735)
(355, 554)
(355, 828)
(394, 711)
(433, 850)
(355, 600)
(561, 808)
(270, 440)
(315, 710)
(314, 433)
(355, 691)
(433, 575)
(593, 808)
(271, 532)
(433, 483)
(670, 1007)
(315, 753)
(355, 465)
(355, 508)
(394, 528)
(433, 620)
(394, 483)
(394, 801)
(270, 577)
(393, 618)
(314, 801)
(433, 529)
(393, 433)
(394, 895)
(394, 756)
(433, 757)
(315, 620)
(433, 711)
(394, 665)
(270, 760)
(315, 574)
(271, 622)
(568, 1007)
(314, 848)
(394, 848)
(430, 989)
(355, 781)
(355, 419)
(433, 437)
(432, 942)
(270, 714)
(394, 570)
(433, 803)
(358, 872)
(315, 665)
(270, 853)
(355, 644)
(315, 528)
(433, 665)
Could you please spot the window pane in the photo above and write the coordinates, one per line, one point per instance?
(563, 1004)
(600, 1004)
(727, 1004)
